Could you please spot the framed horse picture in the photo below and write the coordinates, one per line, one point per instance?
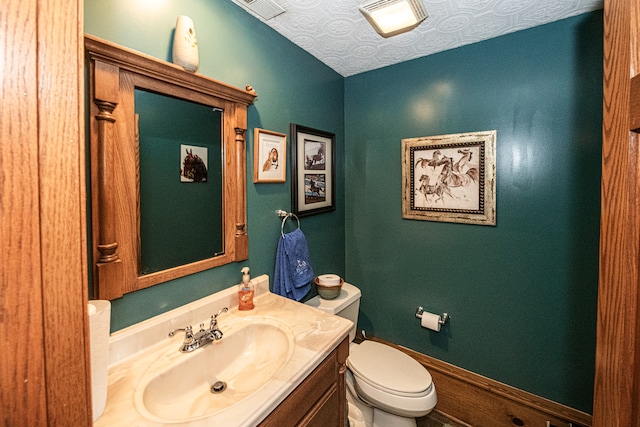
(450, 178)
(313, 170)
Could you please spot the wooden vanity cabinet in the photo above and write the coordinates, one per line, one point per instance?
(320, 400)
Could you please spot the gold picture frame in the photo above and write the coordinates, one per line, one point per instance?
(269, 156)
(450, 178)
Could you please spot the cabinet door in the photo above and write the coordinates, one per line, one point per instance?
(326, 413)
(320, 400)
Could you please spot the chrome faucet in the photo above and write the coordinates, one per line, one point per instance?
(202, 337)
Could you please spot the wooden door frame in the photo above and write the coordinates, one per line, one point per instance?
(617, 374)
(44, 368)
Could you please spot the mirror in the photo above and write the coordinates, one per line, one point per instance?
(180, 144)
(162, 178)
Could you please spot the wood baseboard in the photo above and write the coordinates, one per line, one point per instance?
(476, 401)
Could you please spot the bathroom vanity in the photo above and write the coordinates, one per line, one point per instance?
(320, 400)
(282, 363)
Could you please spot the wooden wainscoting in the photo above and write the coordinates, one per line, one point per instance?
(473, 400)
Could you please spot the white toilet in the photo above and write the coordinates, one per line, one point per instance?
(385, 387)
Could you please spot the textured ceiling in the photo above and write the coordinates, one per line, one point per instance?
(335, 32)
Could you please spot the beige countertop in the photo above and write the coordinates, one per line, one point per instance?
(136, 352)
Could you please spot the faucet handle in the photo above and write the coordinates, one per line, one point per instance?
(214, 318)
(190, 342)
(224, 310)
(187, 329)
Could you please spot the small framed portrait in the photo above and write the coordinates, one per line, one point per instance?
(269, 156)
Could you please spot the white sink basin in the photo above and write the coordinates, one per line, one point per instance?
(264, 355)
(177, 386)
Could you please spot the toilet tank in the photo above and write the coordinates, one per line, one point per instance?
(346, 305)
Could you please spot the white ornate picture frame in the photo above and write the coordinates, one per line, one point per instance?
(269, 156)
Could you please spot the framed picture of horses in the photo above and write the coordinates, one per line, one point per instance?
(269, 156)
(312, 170)
(450, 178)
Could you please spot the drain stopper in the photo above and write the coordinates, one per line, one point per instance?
(218, 387)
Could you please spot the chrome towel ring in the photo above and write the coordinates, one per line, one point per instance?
(286, 215)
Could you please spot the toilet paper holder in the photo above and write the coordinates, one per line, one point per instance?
(444, 317)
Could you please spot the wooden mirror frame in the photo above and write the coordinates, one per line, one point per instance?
(114, 73)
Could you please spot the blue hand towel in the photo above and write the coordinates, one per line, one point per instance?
(293, 273)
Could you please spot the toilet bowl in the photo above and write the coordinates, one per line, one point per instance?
(385, 387)
(390, 380)
(356, 417)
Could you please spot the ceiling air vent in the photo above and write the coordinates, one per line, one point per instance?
(266, 9)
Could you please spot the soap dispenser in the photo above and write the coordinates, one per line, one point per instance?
(245, 291)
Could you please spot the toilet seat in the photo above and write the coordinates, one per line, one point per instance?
(389, 369)
(388, 379)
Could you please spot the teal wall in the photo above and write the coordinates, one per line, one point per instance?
(292, 87)
(522, 294)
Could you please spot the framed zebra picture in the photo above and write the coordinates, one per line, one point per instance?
(450, 178)
(312, 170)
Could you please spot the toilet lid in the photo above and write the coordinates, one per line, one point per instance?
(388, 368)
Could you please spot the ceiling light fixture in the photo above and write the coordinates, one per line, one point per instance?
(392, 17)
